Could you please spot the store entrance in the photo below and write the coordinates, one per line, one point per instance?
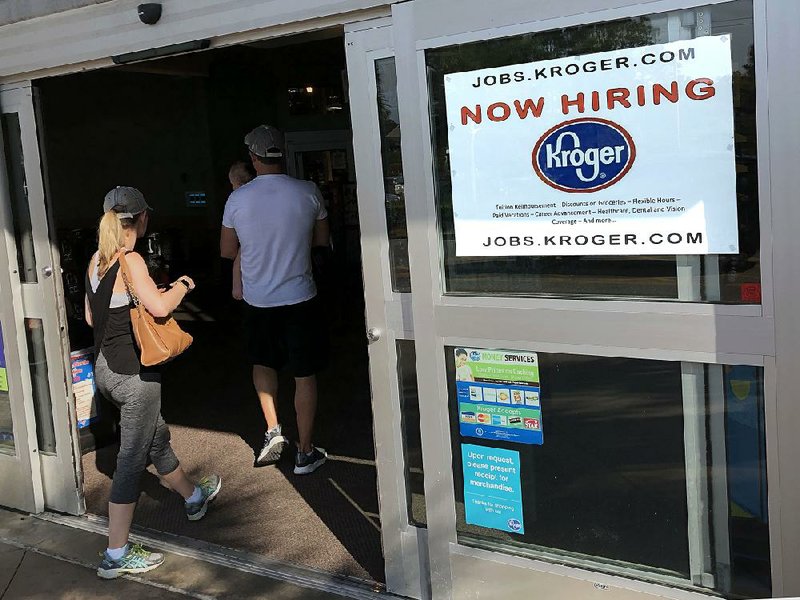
(172, 127)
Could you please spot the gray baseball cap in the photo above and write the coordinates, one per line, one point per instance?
(126, 201)
(265, 141)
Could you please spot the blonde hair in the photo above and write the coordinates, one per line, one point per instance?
(111, 238)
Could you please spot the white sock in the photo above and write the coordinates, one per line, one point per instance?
(117, 553)
(196, 497)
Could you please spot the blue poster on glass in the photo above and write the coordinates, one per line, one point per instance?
(3, 374)
(744, 433)
(499, 395)
(83, 387)
(492, 490)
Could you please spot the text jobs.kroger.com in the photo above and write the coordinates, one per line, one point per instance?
(623, 152)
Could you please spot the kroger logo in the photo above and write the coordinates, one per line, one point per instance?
(514, 524)
(475, 355)
(584, 155)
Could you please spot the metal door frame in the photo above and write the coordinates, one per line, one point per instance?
(387, 311)
(59, 472)
(705, 333)
(22, 470)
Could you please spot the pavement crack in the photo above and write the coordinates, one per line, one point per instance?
(16, 570)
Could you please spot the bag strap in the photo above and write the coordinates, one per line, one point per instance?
(123, 264)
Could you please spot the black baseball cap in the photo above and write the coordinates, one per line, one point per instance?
(126, 201)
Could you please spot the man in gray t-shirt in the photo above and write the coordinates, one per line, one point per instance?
(275, 220)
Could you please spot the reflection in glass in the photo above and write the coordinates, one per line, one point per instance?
(392, 160)
(18, 190)
(730, 279)
(42, 403)
(745, 436)
(6, 424)
(652, 465)
(412, 438)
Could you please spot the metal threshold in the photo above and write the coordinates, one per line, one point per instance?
(350, 587)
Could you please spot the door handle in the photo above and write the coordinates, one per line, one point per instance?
(373, 334)
(47, 271)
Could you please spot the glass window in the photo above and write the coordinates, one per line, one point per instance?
(6, 424)
(42, 403)
(650, 465)
(412, 439)
(18, 188)
(726, 278)
(395, 202)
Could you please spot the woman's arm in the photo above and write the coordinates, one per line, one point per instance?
(87, 308)
(157, 303)
(87, 311)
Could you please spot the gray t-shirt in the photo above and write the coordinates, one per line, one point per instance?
(274, 218)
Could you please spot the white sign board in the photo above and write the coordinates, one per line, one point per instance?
(623, 152)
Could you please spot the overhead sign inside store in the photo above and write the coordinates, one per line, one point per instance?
(624, 152)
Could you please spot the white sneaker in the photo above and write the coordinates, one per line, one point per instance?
(274, 444)
(308, 463)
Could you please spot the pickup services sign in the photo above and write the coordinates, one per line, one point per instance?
(623, 152)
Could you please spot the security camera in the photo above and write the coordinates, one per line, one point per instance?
(149, 13)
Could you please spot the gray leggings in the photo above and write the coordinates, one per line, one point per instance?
(143, 431)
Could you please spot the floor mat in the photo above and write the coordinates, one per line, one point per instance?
(326, 521)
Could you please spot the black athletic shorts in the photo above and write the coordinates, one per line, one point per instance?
(293, 337)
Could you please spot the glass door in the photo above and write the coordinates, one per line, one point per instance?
(19, 457)
(390, 328)
(594, 389)
(38, 388)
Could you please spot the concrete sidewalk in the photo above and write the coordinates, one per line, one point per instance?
(42, 559)
(26, 574)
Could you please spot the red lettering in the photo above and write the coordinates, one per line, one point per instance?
(706, 92)
(467, 113)
(640, 99)
(578, 103)
(671, 94)
(618, 96)
(505, 111)
(595, 101)
(529, 107)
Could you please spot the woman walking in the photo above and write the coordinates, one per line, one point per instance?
(134, 389)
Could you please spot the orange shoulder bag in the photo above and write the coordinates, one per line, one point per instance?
(160, 339)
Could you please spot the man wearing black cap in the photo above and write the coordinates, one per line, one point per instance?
(275, 220)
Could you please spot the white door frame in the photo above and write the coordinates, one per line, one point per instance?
(60, 470)
(22, 468)
(404, 544)
(687, 332)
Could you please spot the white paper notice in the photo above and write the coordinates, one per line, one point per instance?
(623, 152)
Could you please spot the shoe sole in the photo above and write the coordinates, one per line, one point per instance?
(199, 515)
(116, 573)
(273, 452)
(308, 469)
